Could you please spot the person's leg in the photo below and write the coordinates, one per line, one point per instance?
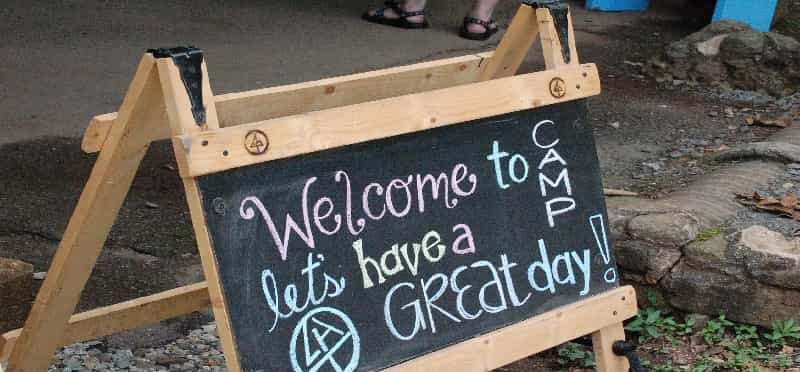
(481, 9)
(407, 6)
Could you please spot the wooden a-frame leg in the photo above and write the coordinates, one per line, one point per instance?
(604, 357)
(551, 44)
(528, 24)
(94, 215)
(182, 122)
(514, 46)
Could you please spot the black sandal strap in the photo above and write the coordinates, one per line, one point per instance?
(400, 12)
(489, 25)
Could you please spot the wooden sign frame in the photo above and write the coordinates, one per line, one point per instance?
(298, 119)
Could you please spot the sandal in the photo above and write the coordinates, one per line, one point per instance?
(490, 26)
(402, 19)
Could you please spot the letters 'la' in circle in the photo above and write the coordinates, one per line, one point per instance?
(325, 339)
(256, 142)
(558, 88)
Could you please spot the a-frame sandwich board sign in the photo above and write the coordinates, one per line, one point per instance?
(442, 215)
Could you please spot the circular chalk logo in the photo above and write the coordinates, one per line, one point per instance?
(256, 142)
(558, 88)
(325, 339)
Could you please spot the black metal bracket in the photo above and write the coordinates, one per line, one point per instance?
(189, 61)
(560, 12)
(622, 348)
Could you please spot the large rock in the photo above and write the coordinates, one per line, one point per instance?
(713, 254)
(733, 53)
(769, 257)
(704, 291)
(651, 262)
(742, 45)
(17, 290)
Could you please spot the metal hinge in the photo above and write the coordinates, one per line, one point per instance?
(189, 61)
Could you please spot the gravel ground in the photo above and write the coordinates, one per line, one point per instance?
(199, 351)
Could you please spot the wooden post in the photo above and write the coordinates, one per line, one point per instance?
(602, 342)
(182, 122)
(551, 43)
(514, 46)
(100, 201)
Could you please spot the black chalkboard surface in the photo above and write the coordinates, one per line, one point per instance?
(359, 258)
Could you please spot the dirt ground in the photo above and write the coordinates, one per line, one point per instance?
(58, 67)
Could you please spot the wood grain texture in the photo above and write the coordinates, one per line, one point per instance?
(602, 342)
(534, 335)
(551, 44)
(263, 104)
(96, 133)
(214, 151)
(514, 46)
(182, 122)
(126, 315)
(109, 182)
(269, 103)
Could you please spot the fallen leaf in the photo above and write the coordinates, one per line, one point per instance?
(790, 201)
(787, 207)
(779, 122)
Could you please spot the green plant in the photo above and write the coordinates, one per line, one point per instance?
(715, 329)
(572, 353)
(745, 333)
(652, 297)
(646, 323)
(704, 364)
(707, 234)
(666, 367)
(686, 328)
(784, 332)
(783, 361)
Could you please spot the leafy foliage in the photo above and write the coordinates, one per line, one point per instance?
(572, 353)
(783, 332)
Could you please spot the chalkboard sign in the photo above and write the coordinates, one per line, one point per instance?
(361, 257)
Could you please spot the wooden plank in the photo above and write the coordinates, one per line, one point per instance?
(126, 315)
(269, 103)
(537, 334)
(97, 132)
(514, 46)
(97, 208)
(602, 342)
(182, 122)
(213, 151)
(573, 49)
(263, 104)
(551, 44)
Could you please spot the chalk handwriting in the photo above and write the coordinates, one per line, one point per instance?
(398, 198)
(331, 287)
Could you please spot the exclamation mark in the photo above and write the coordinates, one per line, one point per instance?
(599, 231)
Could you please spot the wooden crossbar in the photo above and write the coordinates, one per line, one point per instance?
(125, 315)
(212, 151)
(262, 104)
(605, 311)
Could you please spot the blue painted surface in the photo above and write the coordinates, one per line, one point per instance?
(756, 13)
(617, 5)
